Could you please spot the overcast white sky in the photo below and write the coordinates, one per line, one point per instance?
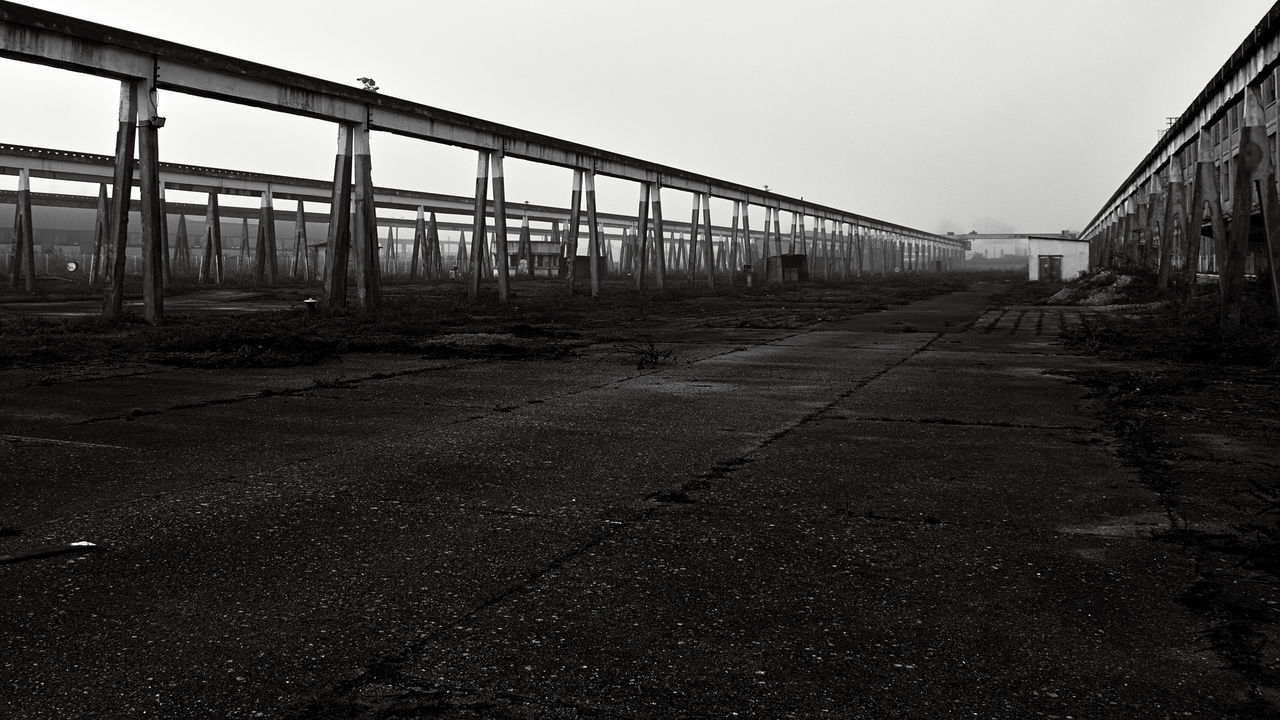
(998, 115)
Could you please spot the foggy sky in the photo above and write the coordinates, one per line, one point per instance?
(945, 115)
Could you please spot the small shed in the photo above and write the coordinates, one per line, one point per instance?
(582, 267)
(1054, 257)
(795, 267)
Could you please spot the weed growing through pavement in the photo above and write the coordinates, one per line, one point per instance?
(647, 353)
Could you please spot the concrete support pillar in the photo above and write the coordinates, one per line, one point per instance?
(264, 260)
(167, 275)
(486, 255)
(734, 258)
(501, 257)
(660, 266)
(101, 233)
(244, 256)
(709, 247)
(558, 239)
(434, 257)
(820, 238)
(642, 235)
(571, 229)
(22, 266)
(476, 262)
(1104, 242)
(1171, 220)
(1128, 245)
(365, 222)
(691, 256)
(182, 247)
(626, 250)
(153, 246)
(1269, 267)
(1263, 173)
(462, 259)
(121, 189)
(747, 255)
(301, 264)
(389, 257)
(803, 247)
(764, 243)
(1151, 229)
(1249, 164)
(779, 276)
(1142, 227)
(850, 251)
(1207, 174)
(593, 231)
(211, 265)
(866, 251)
(338, 242)
(419, 242)
(835, 244)
(1194, 217)
(524, 253)
(848, 244)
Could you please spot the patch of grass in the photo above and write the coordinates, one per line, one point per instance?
(1190, 333)
(1152, 411)
(414, 313)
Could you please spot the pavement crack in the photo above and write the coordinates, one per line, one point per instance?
(28, 440)
(973, 423)
(727, 467)
(338, 383)
(389, 666)
(873, 515)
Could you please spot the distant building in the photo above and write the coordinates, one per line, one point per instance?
(1055, 257)
(1067, 255)
(547, 258)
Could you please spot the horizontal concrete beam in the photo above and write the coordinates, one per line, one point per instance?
(38, 36)
(231, 212)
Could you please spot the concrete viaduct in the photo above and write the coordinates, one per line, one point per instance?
(146, 65)
(1204, 199)
(837, 256)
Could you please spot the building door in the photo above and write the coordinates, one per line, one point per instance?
(1051, 267)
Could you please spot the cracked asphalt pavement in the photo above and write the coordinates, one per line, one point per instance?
(911, 513)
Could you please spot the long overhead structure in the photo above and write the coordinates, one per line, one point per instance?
(51, 164)
(1210, 172)
(145, 65)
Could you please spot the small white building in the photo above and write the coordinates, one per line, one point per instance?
(1056, 257)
